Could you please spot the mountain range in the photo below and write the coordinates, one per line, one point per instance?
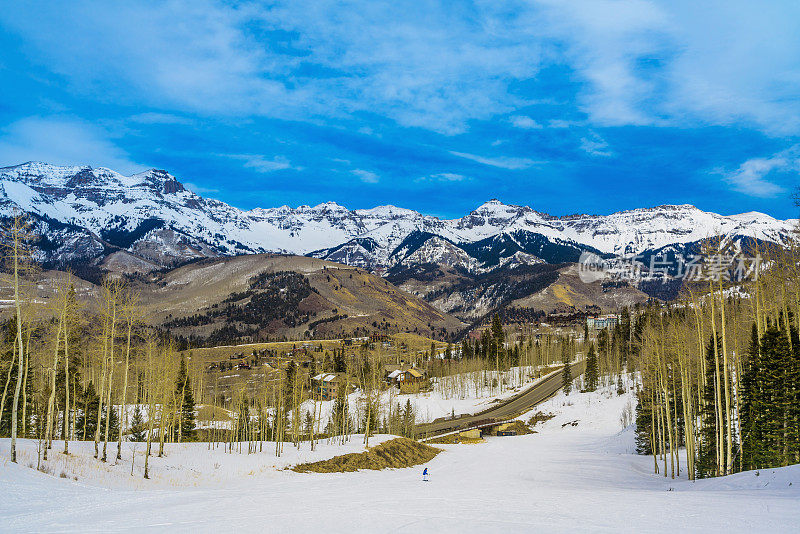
(98, 219)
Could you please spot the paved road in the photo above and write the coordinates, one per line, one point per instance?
(507, 410)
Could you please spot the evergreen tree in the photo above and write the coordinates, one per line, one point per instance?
(138, 432)
(776, 421)
(339, 365)
(340, 411)
(566, 378)
(644, 419)
(86, 425)
(185, 430)
(592, 371)
(707, 464)
(408, 419)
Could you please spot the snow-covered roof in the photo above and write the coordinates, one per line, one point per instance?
(325, 377)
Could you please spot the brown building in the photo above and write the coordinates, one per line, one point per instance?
(328, 384)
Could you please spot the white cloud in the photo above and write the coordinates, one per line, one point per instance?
(525, 123)
(442, 177)
(560, 123)
(62, 141)
(199, 189)
(502, 162)
(595, 145)
(751, 176)
(151, 117)
(260, 163)
(633, 62)
(368, 177)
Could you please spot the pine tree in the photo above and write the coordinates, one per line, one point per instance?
(138, 431)
(644, 418)
(339, 365)
(592, 371)
(566, 379)
(408, 419)
(87, 421)
(707, 464)
(497, 330)
(185, 430)
(340, 412)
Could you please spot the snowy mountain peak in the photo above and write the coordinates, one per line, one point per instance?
(86, 212)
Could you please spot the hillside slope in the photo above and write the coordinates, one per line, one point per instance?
(269, 295)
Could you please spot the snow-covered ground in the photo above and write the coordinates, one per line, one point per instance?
(183, 465)
(576, 474)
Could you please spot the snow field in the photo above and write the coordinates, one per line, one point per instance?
(567, 477)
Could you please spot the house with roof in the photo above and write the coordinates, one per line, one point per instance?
(327, 385)
(405, 377)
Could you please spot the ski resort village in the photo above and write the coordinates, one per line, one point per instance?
(370, 267)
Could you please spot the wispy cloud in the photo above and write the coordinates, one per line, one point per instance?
(260, 163)
(525, 123)
(634, 62)
(368, 177)
(152, 117)
(199, 189)
(442, 177)
(63, 141)
(595, 145)
(502, 162)
(751, 178)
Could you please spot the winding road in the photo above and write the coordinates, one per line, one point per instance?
(506, 410)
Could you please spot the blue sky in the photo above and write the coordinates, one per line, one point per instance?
(568, 106)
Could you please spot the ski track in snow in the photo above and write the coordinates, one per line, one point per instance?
(582, 478)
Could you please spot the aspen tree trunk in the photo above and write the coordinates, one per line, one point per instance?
(101, 392)
(8, 376)
(25, 385)
(151, 407)
(162, 408)
(727, 389)
(52, 397)
(717, 390)
(123, 423)
(66, 387)
(108, 409)
(16, 236)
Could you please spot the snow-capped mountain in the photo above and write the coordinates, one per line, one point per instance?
(150, 220)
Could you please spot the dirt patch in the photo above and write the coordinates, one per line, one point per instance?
(539, 417)
(519, 427)
(399, 452)
(452, 439)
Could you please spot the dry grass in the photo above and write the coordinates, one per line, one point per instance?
(539, 417)
(519, 427)
(452, 439)
(396, 453)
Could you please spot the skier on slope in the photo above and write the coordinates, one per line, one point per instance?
(425, 475)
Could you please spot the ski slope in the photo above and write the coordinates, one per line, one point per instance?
(576, 474)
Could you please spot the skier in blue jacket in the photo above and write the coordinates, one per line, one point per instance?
(425, 475)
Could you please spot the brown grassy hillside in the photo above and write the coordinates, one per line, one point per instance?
(342, 300)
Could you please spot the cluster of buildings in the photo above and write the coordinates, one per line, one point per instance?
(404, 376)
(602, 321)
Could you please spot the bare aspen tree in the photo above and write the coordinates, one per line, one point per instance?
(17, 235)
(130, 313)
